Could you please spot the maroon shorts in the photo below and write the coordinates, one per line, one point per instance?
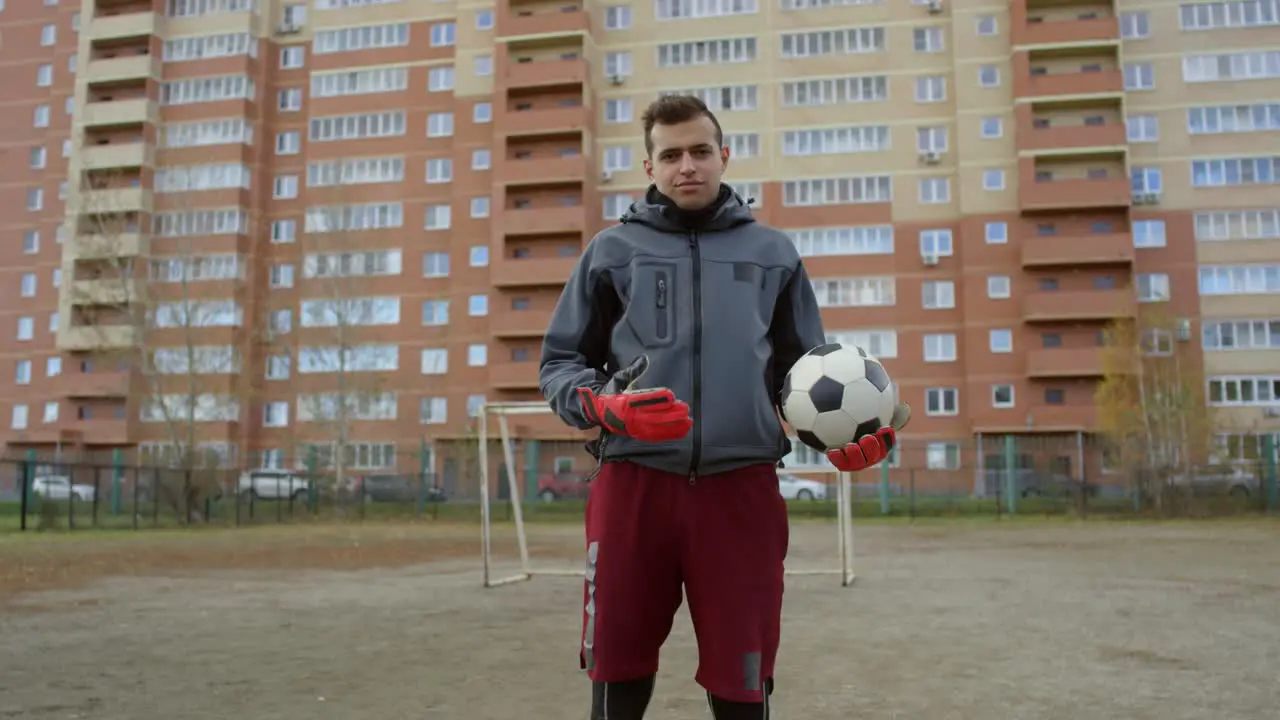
(723, 536)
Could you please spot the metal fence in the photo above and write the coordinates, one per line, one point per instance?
(994, 476)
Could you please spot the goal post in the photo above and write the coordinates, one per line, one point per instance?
(499, 412)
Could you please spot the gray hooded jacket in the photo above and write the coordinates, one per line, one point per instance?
(721, 305)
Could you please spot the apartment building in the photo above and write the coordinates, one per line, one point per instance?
(245, 211)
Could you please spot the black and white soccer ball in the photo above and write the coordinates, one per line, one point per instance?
(835, 394)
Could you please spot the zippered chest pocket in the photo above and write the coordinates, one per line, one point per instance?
(651, 309)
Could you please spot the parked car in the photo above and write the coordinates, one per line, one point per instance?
(273, 485)
(392, 487)
(57, 487)
(1219, 480)
(794, 487)
(1029, 482)
(560, 486)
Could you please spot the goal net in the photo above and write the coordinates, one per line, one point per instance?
(555, 545)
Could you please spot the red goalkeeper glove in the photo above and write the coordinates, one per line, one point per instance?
(869, 450)
(651, 414)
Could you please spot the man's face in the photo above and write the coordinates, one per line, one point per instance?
(687, 162)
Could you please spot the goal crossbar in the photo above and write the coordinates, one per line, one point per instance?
(501, 411)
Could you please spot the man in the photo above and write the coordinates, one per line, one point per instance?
(692, 299)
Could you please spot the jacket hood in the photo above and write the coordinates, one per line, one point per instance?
(729, 210)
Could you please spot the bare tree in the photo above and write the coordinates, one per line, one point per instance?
(1151, 404)
(339, 317)
(146, 315)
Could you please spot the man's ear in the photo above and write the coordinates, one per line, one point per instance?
(648, 168)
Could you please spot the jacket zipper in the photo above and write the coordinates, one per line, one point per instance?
(697, 358)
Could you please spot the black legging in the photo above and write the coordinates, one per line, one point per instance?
(628, 700)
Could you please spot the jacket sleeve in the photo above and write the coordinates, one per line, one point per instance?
(796, 327)
(575, 349)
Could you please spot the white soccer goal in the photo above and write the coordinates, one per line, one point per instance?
(502, 410)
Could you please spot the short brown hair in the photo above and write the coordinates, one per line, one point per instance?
(673, 110)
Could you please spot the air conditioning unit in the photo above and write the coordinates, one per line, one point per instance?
(935, 6)
(606, 176)
(616, 79)
(288, 29)
(931, 157)
(1184, 330)
(929, 259)
(1146, 198)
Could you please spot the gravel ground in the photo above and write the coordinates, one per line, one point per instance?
(1025, 620)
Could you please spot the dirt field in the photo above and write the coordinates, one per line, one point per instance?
(948, 620)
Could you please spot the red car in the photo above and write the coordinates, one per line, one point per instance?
(562, 486)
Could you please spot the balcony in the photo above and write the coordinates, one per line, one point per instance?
(509, 272)
(86, 338)
(1061, 418)
(543, 21)
(95, 384)
(544, 221)
(138, 67)
(542, 122)
(1073, 193)
(112, 291)
(107, 431)
(520, 323)
(1071, 84)
(1079, 305)
(1080, 30)
(1046, 140)
(514, 375)
(108, 247)
(1065, 363)
(537, 73)
(115, 27)
(122, 155)
(537, 171)
(115, 200)
(1052, 250)
(119, 112)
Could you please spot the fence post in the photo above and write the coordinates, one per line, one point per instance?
(1011, 473)
(117, 476)
(884, 483)
(1269, 472)
(24, 477)
(422, 475)
(31, 476)
(313, 492)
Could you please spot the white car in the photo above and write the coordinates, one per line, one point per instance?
(272, 485)
(55, 487)
(797, 488)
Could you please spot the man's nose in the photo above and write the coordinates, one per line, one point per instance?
(687, 165)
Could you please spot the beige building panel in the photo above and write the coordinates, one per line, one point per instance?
(1239, 306)
(466, 83)
(966, 41)
(976, 200)
(970, 143)
(380, 14)
(1180, 196)
(1242, 362)
(1249, 419)
(1171, 90)
(1167, 34)
(851, 15)
(900, 157)
(648, 79)
(747, 167)
(1176, 141)
(906, 199)
(1239, 251)
(969, 96)
(262, 26)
